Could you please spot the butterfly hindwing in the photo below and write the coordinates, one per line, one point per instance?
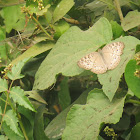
(99, 65)
(93, 62)
(87, 61)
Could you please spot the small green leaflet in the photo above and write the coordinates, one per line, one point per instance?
(12, 121)
(3, 85)
(17, 94)
(16, 70)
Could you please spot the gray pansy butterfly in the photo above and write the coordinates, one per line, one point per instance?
(106, 59)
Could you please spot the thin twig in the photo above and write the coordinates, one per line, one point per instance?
(72, 21)
(3, 100)
(118, 8)
(133, 101)
(20, 37)
(50, 37)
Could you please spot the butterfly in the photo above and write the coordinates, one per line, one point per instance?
(106, 59)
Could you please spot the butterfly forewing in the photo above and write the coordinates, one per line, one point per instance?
(115, 48)
(111, 54)
(111, 60)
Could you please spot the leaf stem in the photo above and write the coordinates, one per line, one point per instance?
(3, 100)
(7, 99)
(51, 38)
(133, 101)
(118, 8)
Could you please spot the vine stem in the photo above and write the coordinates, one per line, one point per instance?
(51, 38)
(118, 8)
(133, 101)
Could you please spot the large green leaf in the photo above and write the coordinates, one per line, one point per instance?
(56, 127)
(110, 79)
(3, 85)
(17, 94)
(89, 117)
(131, 20)
(61, 9)
(135, 133)
(34, 51)
(11, 15)
(132, 81)
(39, 125)
(72, 45)
(11, 120)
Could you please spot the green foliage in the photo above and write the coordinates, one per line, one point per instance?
(34, 51)
(135, 132)
(28, 121)
(2, 137)
(17, 94)
(2, 46)
(43, 92)
(14, 74)
(132, 81)
(10, 20)
(131, 20)
(64, 95)
(3, 85)
(11, 120)
(110, 80)
(63, 58)
(116, 29)
(57, 125)
(4, 3)
(99, 109)
(39, 125)
(61, 9)
(10, 133)
(61, 27)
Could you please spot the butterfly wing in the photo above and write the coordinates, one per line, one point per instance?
(93, 62)
(111, 54)
(87, 61)
(99, 65)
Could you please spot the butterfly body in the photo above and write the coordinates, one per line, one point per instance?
(106, 59)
